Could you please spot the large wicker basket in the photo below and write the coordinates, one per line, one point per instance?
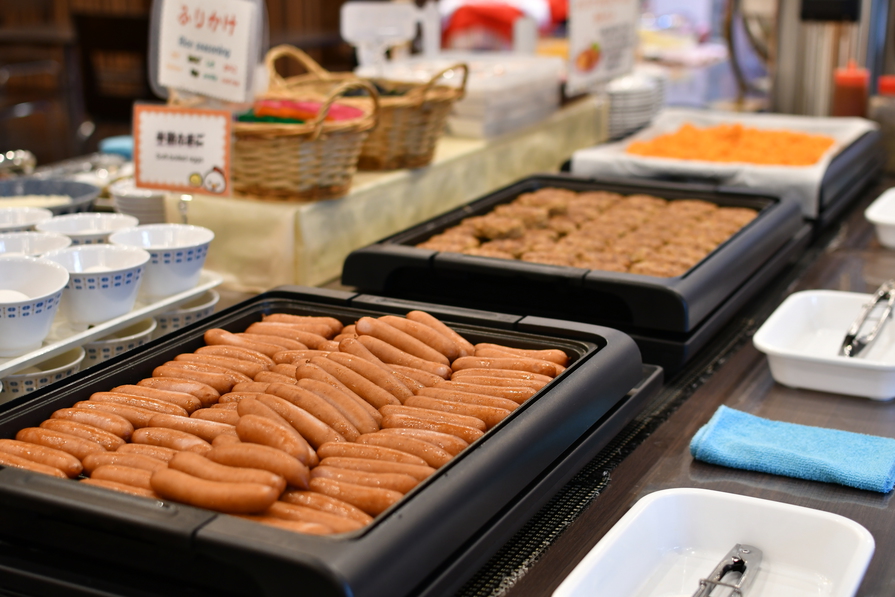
(302, 162)
(410, 124)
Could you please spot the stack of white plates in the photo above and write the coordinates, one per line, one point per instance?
(633, 102)
(147, 205)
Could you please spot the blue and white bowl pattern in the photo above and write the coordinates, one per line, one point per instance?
(104, 281)
(179, 255)
(179, 318)
(111, 346)
(49, 303)
(18, 384)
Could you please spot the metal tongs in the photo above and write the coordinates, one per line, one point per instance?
(854, 342)
(743, 560)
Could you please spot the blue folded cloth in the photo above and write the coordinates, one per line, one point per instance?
(740, 440)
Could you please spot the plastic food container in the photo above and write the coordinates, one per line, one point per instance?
(525, 458)
(673, 538)
(881, 213)
(802, 338)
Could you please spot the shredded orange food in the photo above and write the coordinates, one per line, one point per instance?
(736, 143)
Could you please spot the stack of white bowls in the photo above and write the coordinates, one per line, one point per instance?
(633, 102)
(147, 205)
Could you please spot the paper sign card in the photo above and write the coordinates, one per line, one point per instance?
(182, 149)
(204, 47)
(602, 40)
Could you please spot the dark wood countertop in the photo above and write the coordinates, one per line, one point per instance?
(732, 372)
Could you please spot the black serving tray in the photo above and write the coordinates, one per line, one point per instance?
(639, 304)
(61, 537)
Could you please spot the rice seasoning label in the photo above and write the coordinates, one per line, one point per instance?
(736, 143)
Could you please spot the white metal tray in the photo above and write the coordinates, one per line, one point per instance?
(672, 538)
(802, 338)
(63, 336)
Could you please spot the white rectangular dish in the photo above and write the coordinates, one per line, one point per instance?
(881, 213)
(64, 336)
(673, 538)
(802, 338)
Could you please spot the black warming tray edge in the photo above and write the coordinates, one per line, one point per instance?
(395, 267)
(64, 532)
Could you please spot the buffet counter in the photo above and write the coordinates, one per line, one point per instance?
(263, 244)
(653, 454)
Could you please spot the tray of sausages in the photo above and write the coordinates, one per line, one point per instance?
(346, 444)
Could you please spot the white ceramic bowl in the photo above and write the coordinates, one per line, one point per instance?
(87, 228)
(30, 292)
(802, 338)
(121, 341)
(103, 281)
(32, 378)
(199, 308)
(671, 539)
(16, 219)
(147, 205)
(881, 213)
(31, 243)
(178, 253)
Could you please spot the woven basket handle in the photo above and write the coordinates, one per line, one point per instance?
(460, 65)
(318, 122)
(287, 51)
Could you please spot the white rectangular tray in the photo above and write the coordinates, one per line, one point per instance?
(63, 337)
(672, 538)
(802, 338)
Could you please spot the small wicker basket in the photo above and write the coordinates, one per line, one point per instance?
(410, 124)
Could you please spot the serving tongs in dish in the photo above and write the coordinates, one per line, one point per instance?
(742, 560)
(854, 341)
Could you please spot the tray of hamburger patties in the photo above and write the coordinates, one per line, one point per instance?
(668, 263)
(306, 439)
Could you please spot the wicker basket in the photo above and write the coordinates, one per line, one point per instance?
(409, 124)
(302, 162)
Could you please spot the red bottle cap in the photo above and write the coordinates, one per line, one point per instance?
(851, 76)
(885, 85)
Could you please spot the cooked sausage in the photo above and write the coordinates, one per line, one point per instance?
(223, 440)
(504, 373)
(158, 452)
(310, 427)
(107, 440)
(451, 444)
(287, 329)
(395, 481)
(126, 475)
(489, 414)
(188, 402)
(43, 455)
(467, 434)
(217, 336)
(204, 392)
(425, 334)
(325, 503)
(517, 394)
(256, 429)
(200, 466)
(159, 406)
(371, 500)
(285, 369)
(287, 511)
(122, 488)
(513, 363)
(371, 451)
(498, 382)
(497, 353)
(137, 417)
(213, 495)
(112, 423)
(435, 415)
(356, 382)
(428, 452)
(351, 345)
(469, 398)
(297, 357)
(218, 415)
(419, 472)
(393, 355)
(271, 377)
(368, 326)
(317, 407)
(551, 354)
(381, 377)
(31, 465)
(295, 335)
(249, 368)
(134, 460)
(334, 324)
(170, 438)
(350, 408)
(251, 386)
(207, 430)
(222, 382)
(423, 377)
(76, 446)
(296, 526)
(256, 456)
(466, 348)
(235, 397)
(236, 352)
(311, 371)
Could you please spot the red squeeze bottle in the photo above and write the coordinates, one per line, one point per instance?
(850, 91)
